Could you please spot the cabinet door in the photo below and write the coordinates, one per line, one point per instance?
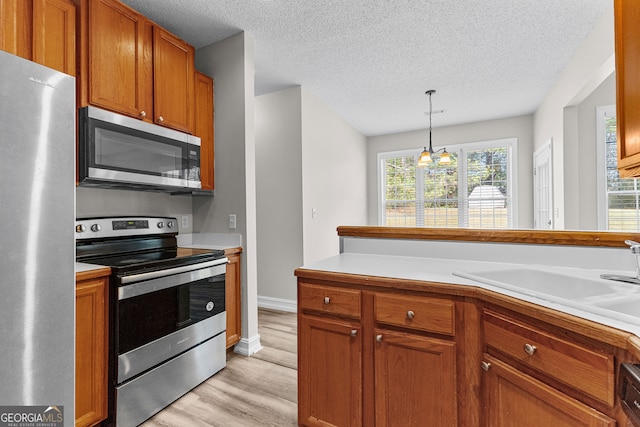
(173, 81)
(513, 398)
(204, 128)
(91, 351)
(15, 27)
(415, 381)
(232, 300)
(54, 34)
(627, 36)
(120, 62)
(329, 373)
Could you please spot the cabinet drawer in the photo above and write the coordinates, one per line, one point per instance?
(327, 299)
(423, 313)
(586, 370)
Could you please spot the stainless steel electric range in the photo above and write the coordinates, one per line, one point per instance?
(167, 312)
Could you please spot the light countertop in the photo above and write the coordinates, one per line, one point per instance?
(441, 271)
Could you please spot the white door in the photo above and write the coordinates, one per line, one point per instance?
(543, 187)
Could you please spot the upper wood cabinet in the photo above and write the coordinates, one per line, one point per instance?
(203, 128)
(173, 81)
(627, 39)
(43, 31)
(132, 66)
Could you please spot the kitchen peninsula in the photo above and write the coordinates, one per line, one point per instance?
(388, 333)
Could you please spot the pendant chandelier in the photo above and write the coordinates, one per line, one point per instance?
(429, 155)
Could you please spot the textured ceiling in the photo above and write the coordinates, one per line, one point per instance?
(372, 60)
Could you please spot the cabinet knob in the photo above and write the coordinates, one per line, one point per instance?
(354, 332)
(143, 113)
(485, 366)
(530, 349)
(410, 314)
(327, 300)
(379, 338)
(160, 119)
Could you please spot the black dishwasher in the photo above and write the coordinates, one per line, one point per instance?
(629, 391)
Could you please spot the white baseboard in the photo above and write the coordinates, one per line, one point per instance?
(278, 304)
(247, 347)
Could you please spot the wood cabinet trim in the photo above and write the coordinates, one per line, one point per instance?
(549, 237)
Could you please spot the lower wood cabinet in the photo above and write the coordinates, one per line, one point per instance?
(329, 372)
(233, 297)
(512, 398)
(372, 352)
(92, 336)
(372, 358)
(414, 380)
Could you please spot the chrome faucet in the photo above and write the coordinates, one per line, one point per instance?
(635, 249)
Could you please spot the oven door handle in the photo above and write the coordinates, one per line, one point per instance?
(144, 283)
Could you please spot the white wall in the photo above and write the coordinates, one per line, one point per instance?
(279, 194)
(230, 62)
(520, 127)
(334, 177)
(307, 158)
(590, 66)
(585, 216)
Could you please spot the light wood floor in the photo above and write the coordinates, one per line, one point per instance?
(252, 391)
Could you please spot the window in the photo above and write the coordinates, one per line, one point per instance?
(474, 190)
(619, 199)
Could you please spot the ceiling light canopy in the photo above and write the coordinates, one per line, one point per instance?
(429, 155)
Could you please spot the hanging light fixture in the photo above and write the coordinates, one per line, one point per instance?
(427, 155)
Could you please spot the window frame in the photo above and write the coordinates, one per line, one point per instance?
(461, 151)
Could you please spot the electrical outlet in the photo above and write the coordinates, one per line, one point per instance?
(232, 220)
(185, 221)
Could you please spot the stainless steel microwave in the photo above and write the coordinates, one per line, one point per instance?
(117, 151)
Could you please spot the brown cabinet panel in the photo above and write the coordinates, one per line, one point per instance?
(329, 373)
(428, 314)
(16, 23)
(329, 300)
(233, 299)
(203, 128)
(513, 398)
(43, 31)
(415, 381)
(54, 34)
(627, 39)
(588, 370)
(91, 350)
(173, 77)
(119, 59)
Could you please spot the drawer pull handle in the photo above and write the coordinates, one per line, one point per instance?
(143, 113)
(410, 314)
(327, 300)
(160, 119)
(354, 332)
(379, 338)
(485, 366)
(530, 349)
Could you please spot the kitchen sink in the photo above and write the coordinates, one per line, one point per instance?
(542, 283)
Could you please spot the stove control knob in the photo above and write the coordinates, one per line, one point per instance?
(80, 228)
(160, 224)
(171, 224)
(96, 227)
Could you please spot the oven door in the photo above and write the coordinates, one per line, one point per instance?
(162, 314)
(119, 151)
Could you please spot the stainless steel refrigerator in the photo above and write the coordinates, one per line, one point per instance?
(37, 249)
